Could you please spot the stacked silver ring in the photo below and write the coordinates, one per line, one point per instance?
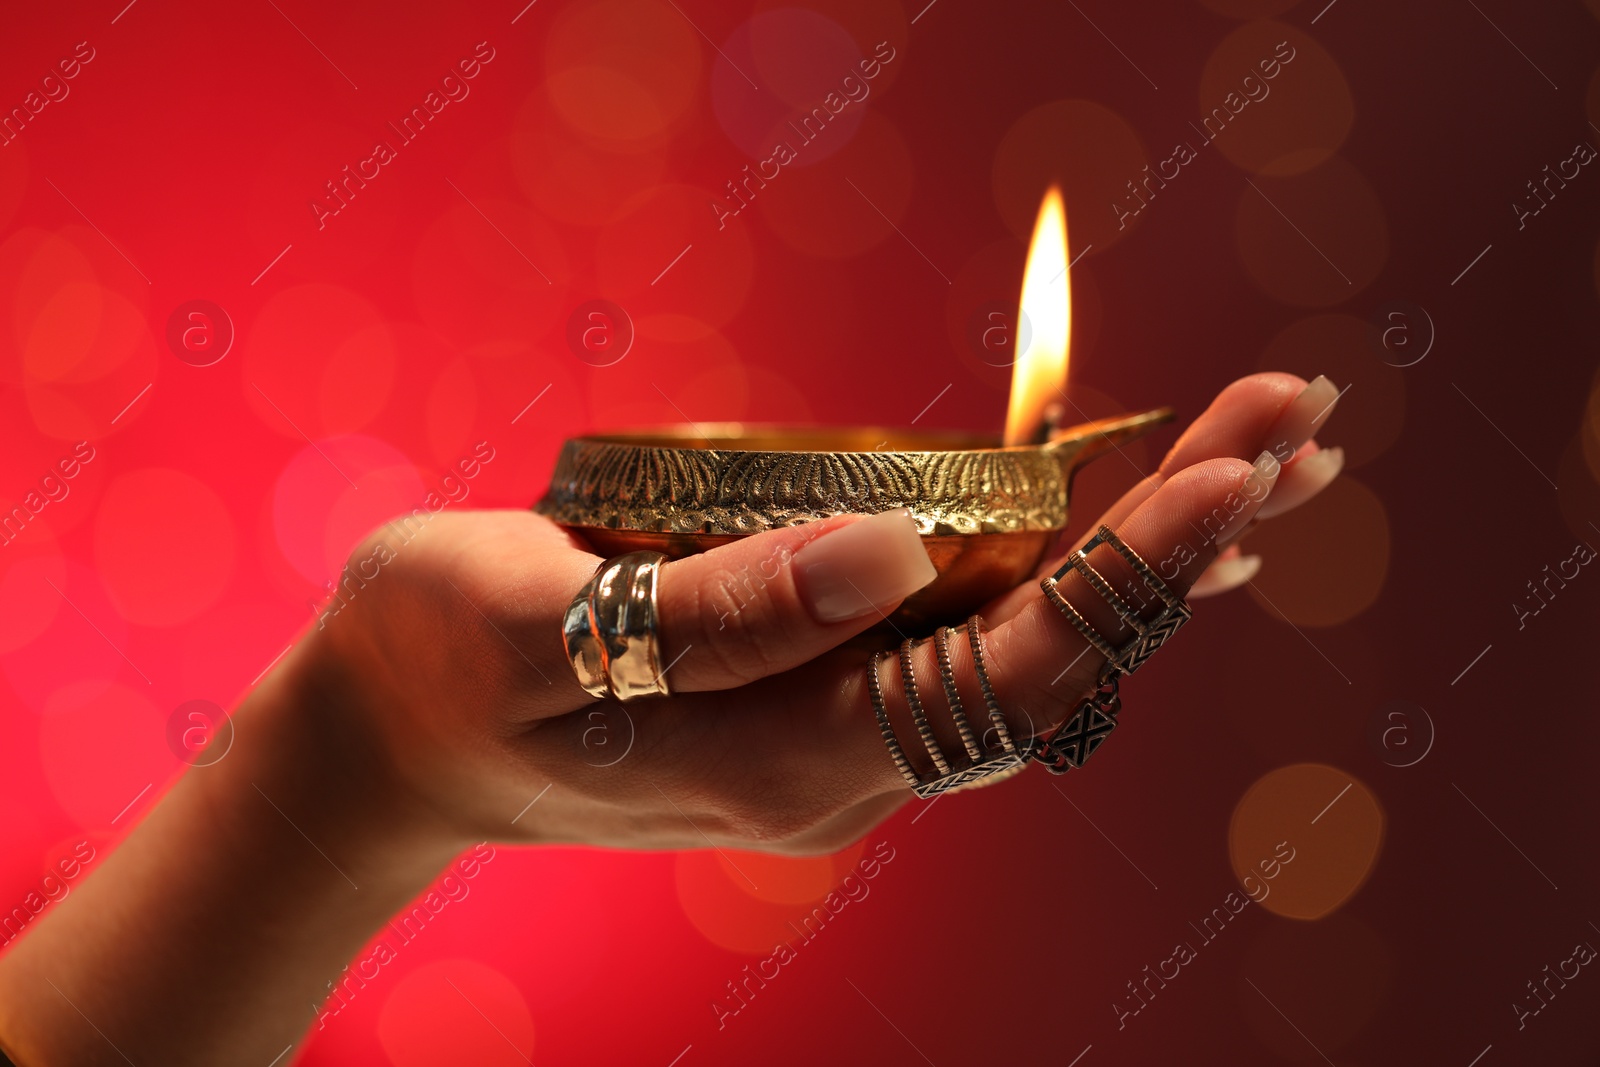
(981, 765)
(1075, 739)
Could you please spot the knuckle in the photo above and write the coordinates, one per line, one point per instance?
(1035, 703)
(767, 809)
(735, 618)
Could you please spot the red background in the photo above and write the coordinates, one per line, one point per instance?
(432, 309)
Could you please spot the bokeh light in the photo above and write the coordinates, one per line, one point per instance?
(1325, 562)
(164, 544)
(101, 747)
(1315, 239)
(456, 1011)
(816, 210)
(1249, 9)
(1274, 100)
(85, 639)
(572, 180)
(332, 494)
(721, 904)
(28, 604)
(622, 71)
(1092, 152)
(799, 60)
(1304, 838)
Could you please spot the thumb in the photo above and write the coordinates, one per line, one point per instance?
(766, 603)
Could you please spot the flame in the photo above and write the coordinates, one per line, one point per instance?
(1041, 370)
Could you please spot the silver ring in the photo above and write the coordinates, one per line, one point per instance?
(610, 629)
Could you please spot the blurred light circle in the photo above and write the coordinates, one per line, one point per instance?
(1579, 492)
(63, 330)
(1326, 560)
(1597, 267)
(1589, 432)
(683, 371)
(773, 397)
(306, 341)
(812, 94)
(85, 640)
(1371, 415)
(1304, 838)
(357, 379)
(725, 392)
(13, 180)
(622, 70)
(872, 23)
(101, 746)
(1249, 9)
(1315, 239)
(487, 277)
(666, 251)
(449, 1011)
(318, 515)
(1332, 1003)
(36, 268)
(726, 915)
(28, 604)
(1277, 126)
(816, 211)
(752, 902)
(779, 879)
(605, 102)
(63, 414)
(164, 545)
(1092, 152)
(570, 180)
(798, 55)
(451, 413)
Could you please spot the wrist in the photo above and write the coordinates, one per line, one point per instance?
(306, 749)
(238, 900)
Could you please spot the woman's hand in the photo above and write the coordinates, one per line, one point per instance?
(450, 661)
(436, 708)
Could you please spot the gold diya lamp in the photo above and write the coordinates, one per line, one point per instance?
(988, 507)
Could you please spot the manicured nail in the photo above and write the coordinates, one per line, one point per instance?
(1303, 417)
(1246, 504)
(1267, 469)
(866, 567)
(1225, 574)
(1305, 479)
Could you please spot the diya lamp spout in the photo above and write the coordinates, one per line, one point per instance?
(1076, 446)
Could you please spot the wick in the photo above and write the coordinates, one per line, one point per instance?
(1050, 424)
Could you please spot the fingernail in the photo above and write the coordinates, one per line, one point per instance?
(1303, 417)
(1258, 487)
(1225, 574)
(862, 568)
(1307, 478)
(1267, 469)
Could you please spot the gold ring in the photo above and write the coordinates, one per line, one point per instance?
(610, 629)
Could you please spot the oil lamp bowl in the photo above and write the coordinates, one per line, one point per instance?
(987, 513)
